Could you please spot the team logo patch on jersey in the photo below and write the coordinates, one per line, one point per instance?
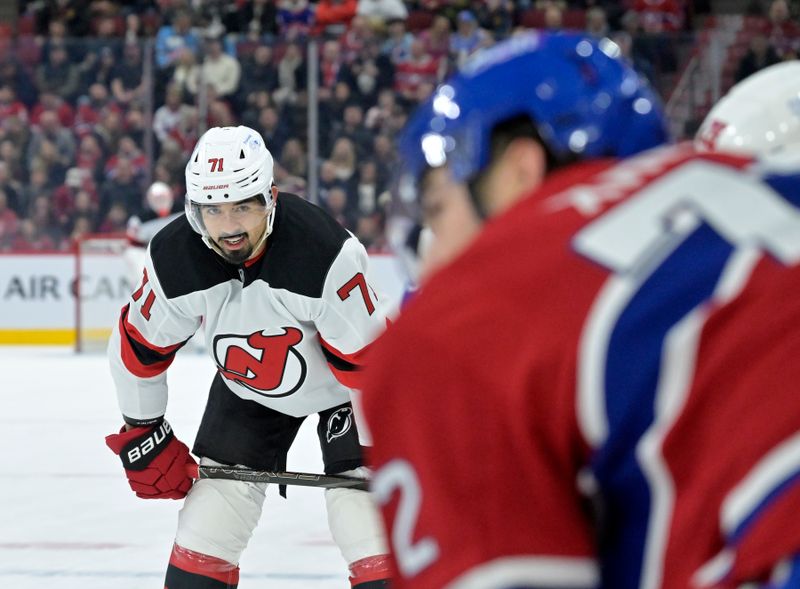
(264, 363)
(339, 423)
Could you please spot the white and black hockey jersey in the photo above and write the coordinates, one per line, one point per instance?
(287, 330)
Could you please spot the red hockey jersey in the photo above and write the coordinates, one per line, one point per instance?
(603, 390)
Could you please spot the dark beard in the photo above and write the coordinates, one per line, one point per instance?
(237, 256)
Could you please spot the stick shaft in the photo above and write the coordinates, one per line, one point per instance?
(302, 479)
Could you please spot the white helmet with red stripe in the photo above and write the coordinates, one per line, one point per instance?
(759, 116)
(229, 164)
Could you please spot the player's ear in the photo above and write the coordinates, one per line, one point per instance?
(528, 162)
(274, 192)
(513, 175)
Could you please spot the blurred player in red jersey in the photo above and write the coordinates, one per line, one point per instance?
(599, 387)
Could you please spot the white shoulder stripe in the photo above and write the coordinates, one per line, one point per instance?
(543, 571)
(780, 464)
(591, 409)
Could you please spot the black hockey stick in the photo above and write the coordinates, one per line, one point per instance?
(302, 479)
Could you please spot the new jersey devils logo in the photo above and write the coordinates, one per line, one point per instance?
(339, 423)
(268, 365)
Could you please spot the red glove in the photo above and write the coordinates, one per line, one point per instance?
(154, 460)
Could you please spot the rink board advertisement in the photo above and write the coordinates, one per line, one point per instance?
(38, 302)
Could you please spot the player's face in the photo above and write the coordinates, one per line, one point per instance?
(449, 214)
(236, 228)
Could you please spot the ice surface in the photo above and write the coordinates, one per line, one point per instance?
(69, 519)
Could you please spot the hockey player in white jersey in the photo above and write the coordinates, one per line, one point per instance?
(282, 294)
(141, 230)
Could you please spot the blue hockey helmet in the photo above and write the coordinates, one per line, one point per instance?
(583, 99)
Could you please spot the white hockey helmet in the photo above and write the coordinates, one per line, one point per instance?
(759, 116)
(159, 198)
(228, 164)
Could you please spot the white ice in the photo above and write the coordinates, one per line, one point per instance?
(69, 519)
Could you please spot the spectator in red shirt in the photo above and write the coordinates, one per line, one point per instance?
(49, 101)
(781, 31)
(91, 108)
(330, 64)
(436, 38)
(419, 67)
(65, 195)
(357, 36)
(659, 16)
(334, 16)
(10, 106)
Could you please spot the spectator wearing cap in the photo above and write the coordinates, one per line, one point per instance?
(468, 37)
(173, 38)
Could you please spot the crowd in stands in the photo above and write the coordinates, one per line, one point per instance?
(99, 98)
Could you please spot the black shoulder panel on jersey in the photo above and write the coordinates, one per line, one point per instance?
(183, 263)
(304, 243)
